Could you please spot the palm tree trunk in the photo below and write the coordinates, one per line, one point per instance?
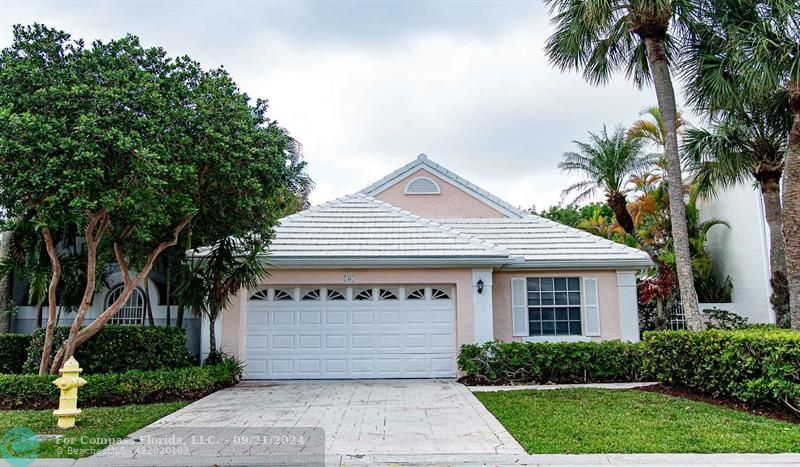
(212, 338)
(39, 306)
(619, 205)
(5, 284)
(665, 94)
(791, 209)
(773, 212)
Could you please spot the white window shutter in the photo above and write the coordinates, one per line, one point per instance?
(591, 301)
(519, 307)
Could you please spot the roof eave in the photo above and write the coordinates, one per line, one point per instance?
(423, 262)
(628, 264)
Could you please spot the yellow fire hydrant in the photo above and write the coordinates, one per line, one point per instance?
(68, 382)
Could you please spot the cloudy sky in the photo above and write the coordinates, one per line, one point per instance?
(366, 86)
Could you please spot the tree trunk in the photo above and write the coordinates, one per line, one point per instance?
(55, 263)
(665, 94)
(773, 212)
(179, 316)
(39, 306)
(212, 338)
(129, 285)
(5, 284)
(95, 228)
(791, 209)
(147, 304)
(619, 204)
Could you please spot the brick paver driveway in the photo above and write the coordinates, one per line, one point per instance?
(366, 419)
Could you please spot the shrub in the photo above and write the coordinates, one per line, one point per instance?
(557, 362)
(118, 348)
(758, 366)
(13, 351)
(132, 387)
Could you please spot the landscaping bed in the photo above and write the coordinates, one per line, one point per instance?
(756, 368)
(95, 427)
(580, 421)
(131, 387)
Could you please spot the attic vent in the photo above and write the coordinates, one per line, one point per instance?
(422, 186)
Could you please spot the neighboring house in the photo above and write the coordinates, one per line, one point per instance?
(741, 251)
(389, 282)
(134, 312)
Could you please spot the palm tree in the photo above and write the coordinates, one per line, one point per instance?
(601, 37)
(214, 279)
(652, 127)
(747, 146)
(740, 50)
(607, 163)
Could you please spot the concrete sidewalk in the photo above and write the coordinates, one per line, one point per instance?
(543, 460)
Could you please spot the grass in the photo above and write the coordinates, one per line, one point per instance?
(572, 421)
(95, 427)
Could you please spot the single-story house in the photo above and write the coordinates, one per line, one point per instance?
(389, 282)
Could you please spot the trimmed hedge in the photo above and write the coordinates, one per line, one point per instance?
(117, 348)
(13, 351)
(132, 387)
(557, 362)
(758, 366)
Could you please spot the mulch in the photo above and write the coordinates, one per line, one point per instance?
(776, 413)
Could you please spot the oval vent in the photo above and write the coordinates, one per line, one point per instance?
(422, 186)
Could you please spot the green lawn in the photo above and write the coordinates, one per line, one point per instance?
(93, 427)
(628, 421)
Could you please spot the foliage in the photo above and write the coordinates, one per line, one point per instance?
(572, 214)
(118, 348)
(756, 366)
(546, 362)
(217, 274)
(96, 426)
(718, 318)
(130, 387)
(13, 352)
(583, 420)
(606, 162)
(135, 149)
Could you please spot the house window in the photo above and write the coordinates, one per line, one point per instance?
(132, 312)
(554, 306)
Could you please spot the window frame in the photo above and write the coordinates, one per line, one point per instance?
(555, 307)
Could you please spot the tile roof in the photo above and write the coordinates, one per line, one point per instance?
(358, 227)
(544, 243)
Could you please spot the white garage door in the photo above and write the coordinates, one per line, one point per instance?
(351, 332)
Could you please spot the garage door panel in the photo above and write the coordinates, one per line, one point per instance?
(335, 342)
(344, 338)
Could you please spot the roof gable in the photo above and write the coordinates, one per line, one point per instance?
(422, 162)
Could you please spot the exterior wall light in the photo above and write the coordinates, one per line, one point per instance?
(479, 284)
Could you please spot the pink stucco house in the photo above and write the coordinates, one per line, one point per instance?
(389, 282)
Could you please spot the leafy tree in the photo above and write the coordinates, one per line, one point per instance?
(133, 148)
(749, 146)
(607, 162)
(741, 50)
(573, 214)
(638, 37)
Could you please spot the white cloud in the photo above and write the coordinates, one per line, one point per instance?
(367, 88)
